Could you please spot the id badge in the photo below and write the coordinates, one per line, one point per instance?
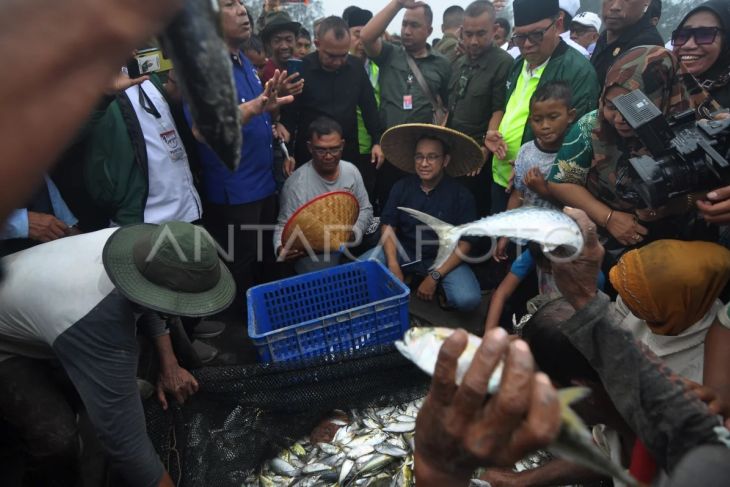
(174, 147)
(407, 102)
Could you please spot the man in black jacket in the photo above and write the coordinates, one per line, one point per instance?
(336, 85)
(627, 26)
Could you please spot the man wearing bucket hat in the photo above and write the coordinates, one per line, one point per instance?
(74, 300)
(433, 156)
(279, 36)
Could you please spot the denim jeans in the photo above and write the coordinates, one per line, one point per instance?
(460, 285)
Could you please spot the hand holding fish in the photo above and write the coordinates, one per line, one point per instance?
(577, 280)
(500, 251)
(457, 431)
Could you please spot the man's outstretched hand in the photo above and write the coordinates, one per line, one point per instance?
(457, 431)
(577, 280)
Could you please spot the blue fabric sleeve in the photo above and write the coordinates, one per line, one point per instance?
(60, 208)
(523, 266)
(16, 225)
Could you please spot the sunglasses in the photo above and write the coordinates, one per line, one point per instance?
(702, 35)
(535, 37)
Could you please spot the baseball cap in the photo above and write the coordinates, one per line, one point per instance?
(588, 19)
(570, 6)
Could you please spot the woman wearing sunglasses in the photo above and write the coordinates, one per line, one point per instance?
(702, 43)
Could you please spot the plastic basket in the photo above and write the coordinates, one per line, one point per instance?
(330, 312)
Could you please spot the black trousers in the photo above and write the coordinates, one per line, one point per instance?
(248, 251)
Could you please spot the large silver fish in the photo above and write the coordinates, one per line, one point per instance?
(550, 228)
(205, 74)
(574, 442)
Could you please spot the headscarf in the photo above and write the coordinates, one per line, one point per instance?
(657, 72)
(720, 71)
(671, 284)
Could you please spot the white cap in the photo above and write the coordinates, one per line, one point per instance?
(589, 19)
(570, 6)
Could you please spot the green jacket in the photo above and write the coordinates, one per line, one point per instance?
(566, 64)
(115, 166)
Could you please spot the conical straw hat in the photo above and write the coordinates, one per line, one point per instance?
(323, 223)
(399, 147)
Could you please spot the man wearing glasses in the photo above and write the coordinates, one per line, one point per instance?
(544, 57)
(326, 172)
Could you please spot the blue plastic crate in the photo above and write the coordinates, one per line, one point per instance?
(329, 312)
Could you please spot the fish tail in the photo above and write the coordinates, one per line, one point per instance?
(447, 237)
(568, 396)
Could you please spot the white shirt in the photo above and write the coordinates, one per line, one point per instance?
(566, 37)
(47, 289)
(172, 195)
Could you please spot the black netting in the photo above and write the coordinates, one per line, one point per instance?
(244, 414)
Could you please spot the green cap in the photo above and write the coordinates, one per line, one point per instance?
(171, 268)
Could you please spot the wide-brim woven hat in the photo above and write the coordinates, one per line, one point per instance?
(208, 285)
(399, 146)
(322, 224)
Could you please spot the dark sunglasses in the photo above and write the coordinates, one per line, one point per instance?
(535, 37)
(702, 35)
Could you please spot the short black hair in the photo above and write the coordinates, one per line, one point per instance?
(304, 33)
(453, 17)
(254, 43)
(334, 24)
(554, 353)
(655, 9)
(480, 7)
(323, 126)
(554, 90)
(428, 12)
(503, 23)
(444, 145)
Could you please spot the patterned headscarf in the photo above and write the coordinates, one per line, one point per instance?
(657, 72)
(671, 284)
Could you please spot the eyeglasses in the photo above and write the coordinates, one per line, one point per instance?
(535, 37)
(702, 35)
(322, 152)
(431, 158)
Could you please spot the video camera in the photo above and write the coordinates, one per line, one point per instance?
(687, 155)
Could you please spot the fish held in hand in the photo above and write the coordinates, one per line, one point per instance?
(574, 442)
(205, 74)
(550, 228)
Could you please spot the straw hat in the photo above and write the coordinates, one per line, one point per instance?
(317, 223)
(399, 147)
(171, 268)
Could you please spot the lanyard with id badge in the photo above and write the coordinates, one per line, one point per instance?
(408, 97)
(168, 134)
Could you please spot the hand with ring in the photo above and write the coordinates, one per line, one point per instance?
(625, 228)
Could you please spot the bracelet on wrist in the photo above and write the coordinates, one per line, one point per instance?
(608, 219)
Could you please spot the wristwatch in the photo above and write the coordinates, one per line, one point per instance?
(435, 275)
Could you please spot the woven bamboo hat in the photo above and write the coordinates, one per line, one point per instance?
(399, 147)
(323, 223)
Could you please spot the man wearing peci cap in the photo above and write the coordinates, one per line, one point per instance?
(432, 156)
(75, 300)
(585, 29)
(544, 57)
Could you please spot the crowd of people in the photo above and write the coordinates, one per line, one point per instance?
(500, 113)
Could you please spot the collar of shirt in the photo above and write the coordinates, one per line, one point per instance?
(435, 188)
(237, 59)
(481, 60)
(529, 73)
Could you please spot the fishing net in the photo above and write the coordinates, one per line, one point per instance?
(243, 415)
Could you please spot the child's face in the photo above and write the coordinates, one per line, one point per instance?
(549, 120)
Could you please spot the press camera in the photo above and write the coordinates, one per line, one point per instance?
(687, 155)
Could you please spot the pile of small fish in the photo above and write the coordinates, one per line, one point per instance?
(374, 449)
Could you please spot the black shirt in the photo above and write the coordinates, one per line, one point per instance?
(449, 201)
(335, 94)
(640, 34)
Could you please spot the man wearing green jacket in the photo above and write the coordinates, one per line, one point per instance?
(544, 57)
